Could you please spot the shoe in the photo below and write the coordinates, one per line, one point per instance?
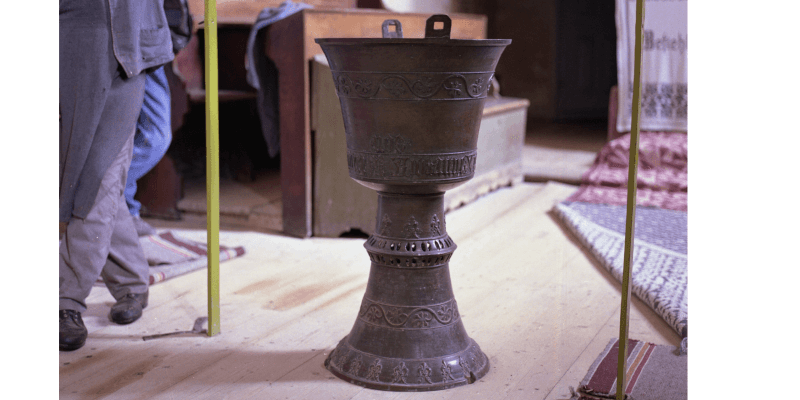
(129, 308)
(143, 228)
(72, 332)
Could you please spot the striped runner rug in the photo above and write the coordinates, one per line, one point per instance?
(654, 373)
(170, 255)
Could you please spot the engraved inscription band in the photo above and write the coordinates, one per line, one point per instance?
(416, 168)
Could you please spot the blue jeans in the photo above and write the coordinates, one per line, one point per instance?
(153, 134)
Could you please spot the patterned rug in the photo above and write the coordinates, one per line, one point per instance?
(662, 179)
(596, 214)
(170, 256)
(654, 373)
(659, 274)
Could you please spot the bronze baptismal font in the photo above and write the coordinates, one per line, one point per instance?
(412, 109)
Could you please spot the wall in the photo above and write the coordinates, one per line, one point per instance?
(527, 67)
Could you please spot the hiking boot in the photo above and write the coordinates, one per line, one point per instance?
(128, 308)
(72, 332)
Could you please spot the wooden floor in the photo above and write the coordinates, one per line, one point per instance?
(561, 152)
(535, 302)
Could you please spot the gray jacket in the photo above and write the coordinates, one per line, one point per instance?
(140, 34)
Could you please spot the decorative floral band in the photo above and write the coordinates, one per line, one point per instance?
(381, 372)
(419, 86)
(418, 317)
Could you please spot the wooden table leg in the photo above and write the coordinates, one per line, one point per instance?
(285, 48)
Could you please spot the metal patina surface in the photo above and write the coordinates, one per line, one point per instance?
(412, 109)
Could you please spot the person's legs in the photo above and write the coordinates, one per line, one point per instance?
(126, 269)
(106, 243)
(153, 134)
(87, 244)
(126, 272)
(81, 250)
(98, 108)
(87, 68)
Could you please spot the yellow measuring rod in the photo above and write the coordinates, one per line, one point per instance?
(212, 164)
